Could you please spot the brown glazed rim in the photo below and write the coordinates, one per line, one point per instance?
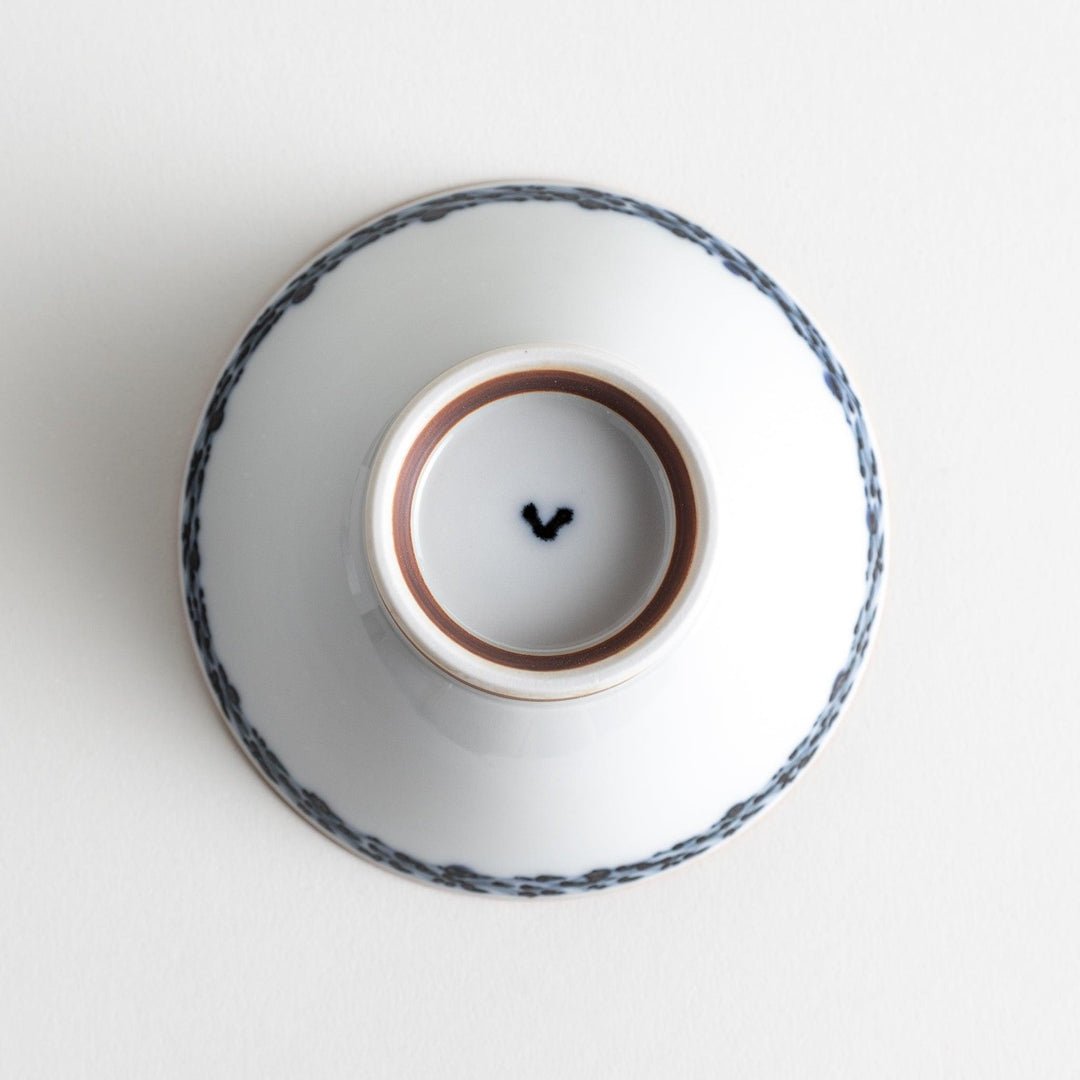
(622, 404)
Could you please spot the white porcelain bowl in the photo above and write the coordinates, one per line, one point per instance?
(532, 540)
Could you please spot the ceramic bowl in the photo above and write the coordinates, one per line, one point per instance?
(532, 540)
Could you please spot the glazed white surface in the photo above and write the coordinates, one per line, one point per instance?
(607, 574)
(909, 908)
(481, 559)
(430, 767)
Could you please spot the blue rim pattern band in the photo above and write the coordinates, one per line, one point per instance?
(228, 696)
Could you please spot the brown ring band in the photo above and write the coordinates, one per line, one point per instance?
(622, 404)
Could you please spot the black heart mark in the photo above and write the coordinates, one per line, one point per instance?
(563, 516)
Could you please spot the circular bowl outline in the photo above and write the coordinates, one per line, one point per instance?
(308, 803)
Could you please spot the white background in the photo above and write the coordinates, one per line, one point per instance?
(909, 173)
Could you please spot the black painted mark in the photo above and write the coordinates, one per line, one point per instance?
(546, 531)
